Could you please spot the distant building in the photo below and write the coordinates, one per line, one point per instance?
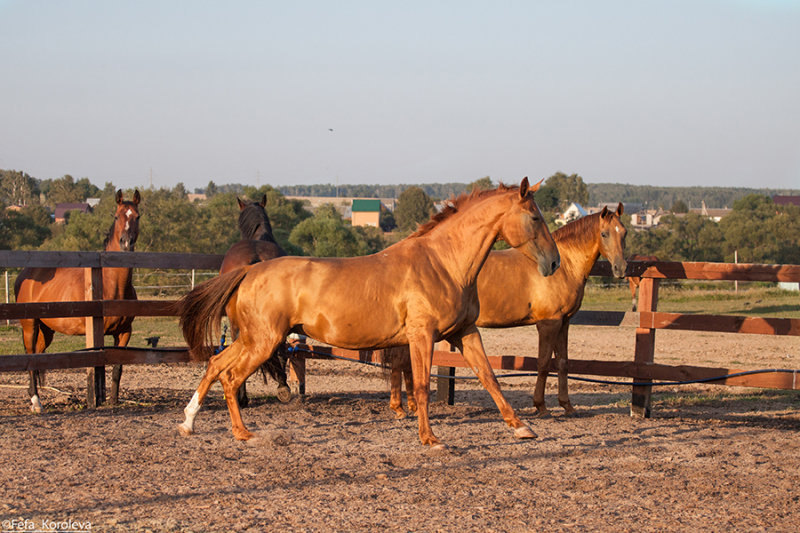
(366, 213)
(647, 218)
(62, 210)
(573, 212)
(786, 200)
(713, 214)
(196, 197)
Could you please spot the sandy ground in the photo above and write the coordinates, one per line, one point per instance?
(711, 457)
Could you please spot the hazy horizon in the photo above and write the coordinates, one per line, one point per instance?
(700, 93)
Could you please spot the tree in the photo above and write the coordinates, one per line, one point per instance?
(568, 189)
(325, 235)
(18, 188)
(386, 220)
(211, 189)
(482, 184)
(679, 207)
(25, 229)
(413, 207)
(66, 190)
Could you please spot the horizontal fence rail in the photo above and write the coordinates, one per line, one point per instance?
(641, 369)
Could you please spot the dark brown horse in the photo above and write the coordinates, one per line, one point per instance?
(257, 245)
(634, 281)
(418, 291)
(67, 285)
(526, 297)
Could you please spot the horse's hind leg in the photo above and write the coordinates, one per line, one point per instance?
(36, 337)
(235, 374)
(562, 363)
(216, 365)
(396, 391)
(275, 366)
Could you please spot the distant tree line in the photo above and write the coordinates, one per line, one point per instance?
(758, 229)
(665, 197)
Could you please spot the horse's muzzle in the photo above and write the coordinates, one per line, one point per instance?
(548, 267)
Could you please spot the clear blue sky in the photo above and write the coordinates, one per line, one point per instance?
(695, 92)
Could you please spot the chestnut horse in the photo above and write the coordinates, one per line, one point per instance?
(634, 281)
(67, 285)
(526, 297)
(257, 245)
(417, 291)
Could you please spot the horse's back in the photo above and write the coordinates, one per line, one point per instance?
(328, 298)
(248, 252)
(49, 285)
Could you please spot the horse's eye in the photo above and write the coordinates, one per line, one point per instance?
(604, 234)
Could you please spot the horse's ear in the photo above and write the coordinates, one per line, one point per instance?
(242, 205)
(536, 187)
(604, 212)
(620, 209)
(119, 196)
(263, 201)
(523, 188)
(136, 196)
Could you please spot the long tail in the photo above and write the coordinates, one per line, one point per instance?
(201, 311)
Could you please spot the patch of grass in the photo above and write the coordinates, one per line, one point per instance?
(754, 300)
(166, 328)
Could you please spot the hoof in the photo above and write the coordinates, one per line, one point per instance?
(243, 435)
(542, 413)
(438, 448)
(36, 405)
(185, 430)
(284, 394)
(524, 432)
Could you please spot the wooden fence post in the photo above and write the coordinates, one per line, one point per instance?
(446, 388)
(95, 377)
(645, 348)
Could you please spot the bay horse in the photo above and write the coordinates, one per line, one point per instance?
(417, 291)
(67, 285)
(525, 297)
(257, 244)
(633, 281)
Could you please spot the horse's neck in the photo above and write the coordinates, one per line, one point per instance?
(263, 236)
(579, 253)
(464, 242)
(116, 279)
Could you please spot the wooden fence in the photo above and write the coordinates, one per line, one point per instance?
(642, 368)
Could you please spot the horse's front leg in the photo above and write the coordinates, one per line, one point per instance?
(421, 346)
(548, 332)
(562, 362)
(471, 347)
(120, 339)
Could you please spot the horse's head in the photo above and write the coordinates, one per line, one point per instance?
(524, 228)
(253, 220)
(612, 240)
(126, 222)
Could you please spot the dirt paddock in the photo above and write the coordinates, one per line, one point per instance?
(711, 458)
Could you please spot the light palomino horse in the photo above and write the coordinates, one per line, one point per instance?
(257, 244)
(526, 297)
(67, 285)
(417, 291)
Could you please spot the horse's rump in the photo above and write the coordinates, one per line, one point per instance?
(201, 311)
